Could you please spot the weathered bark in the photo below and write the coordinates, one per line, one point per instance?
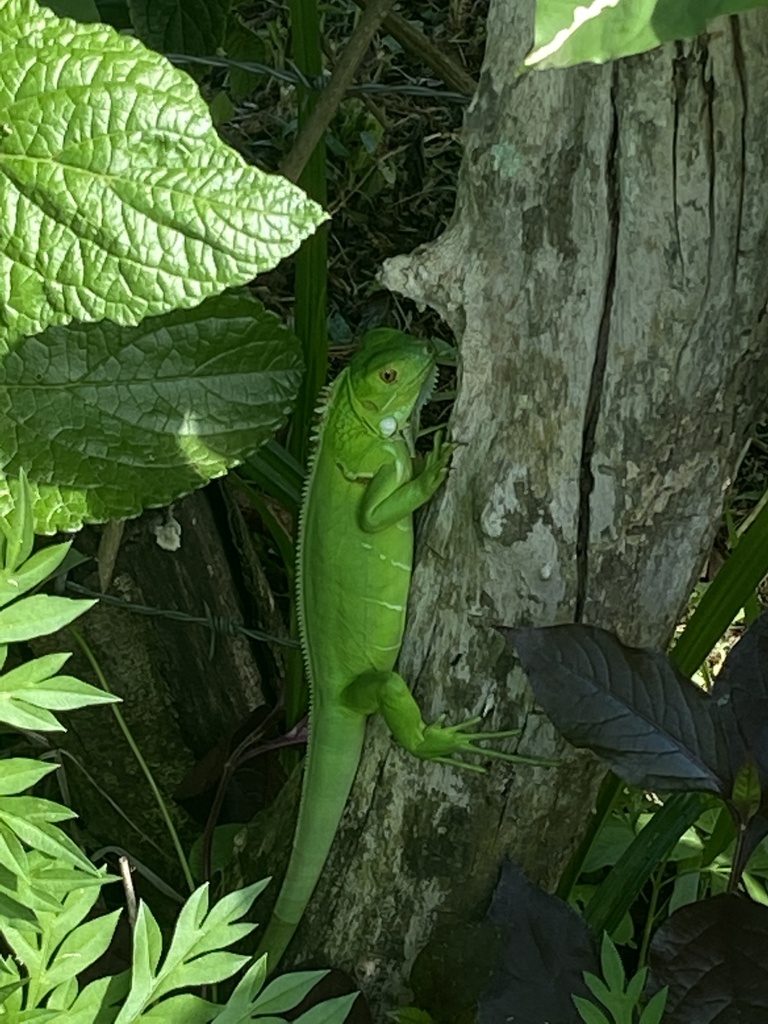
(606, 275)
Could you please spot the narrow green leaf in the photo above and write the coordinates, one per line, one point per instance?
(81, 948)
(612, 967)
(20, 773)
(14, 912)
(599, 989)
(240, 1005)
(615, 895)
(332, 1011)
(747, 791)
(636, 986)
(588, 1012)
(235, 904)
(62, 997)
(34, 671)
(654, 1011)
(13, 856)
(39, 615)
(208, 969)
(65, 693)
(48, 839)
(744, 568)
(24, 944)
(276, 471)
(21, 715)
(287, 991)
(98, 998)
(18, 525)
(121, 200)
(188, 1009)
(77, 904)
(147, 946)
(35, 809)
(32, 572)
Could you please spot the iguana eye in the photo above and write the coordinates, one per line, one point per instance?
(389, 376)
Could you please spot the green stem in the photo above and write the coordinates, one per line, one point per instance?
(652, 904)
(139, 758)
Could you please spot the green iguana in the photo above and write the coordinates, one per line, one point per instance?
(353, 575)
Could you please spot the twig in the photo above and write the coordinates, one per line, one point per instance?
(416, 43)
(330, 98)
(130, 893)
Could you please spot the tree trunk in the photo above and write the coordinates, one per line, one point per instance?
(606, 276)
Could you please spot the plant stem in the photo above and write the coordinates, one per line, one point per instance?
(82, 644)
(642, 957)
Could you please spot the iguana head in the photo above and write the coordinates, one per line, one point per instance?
(390, 374)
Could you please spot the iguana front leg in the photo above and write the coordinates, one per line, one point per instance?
(388, 693)
(390, 498)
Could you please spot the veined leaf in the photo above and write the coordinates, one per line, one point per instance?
(120, 199)
(241, 1004)
(187, 1008)
(64, 693)
(38, 615)
(712, 956)
(196, 955)
(331, 1011)
(98, 998)
(17, 525)
(20, 773)
(180, 26)
(287, 991)
(33, 571)
(117, 419)
(48, 839)
(629, 705)
(82, 947)
(545, 949)
(578, 31)
(147, 946)
(21, 715)
(75, 907)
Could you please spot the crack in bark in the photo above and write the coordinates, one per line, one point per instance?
(708, 85)
(592, 409)
(741, 74)
(678, 79)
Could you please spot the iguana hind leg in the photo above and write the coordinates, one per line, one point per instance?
(388, 693)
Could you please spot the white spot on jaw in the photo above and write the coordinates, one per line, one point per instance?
(388, 426)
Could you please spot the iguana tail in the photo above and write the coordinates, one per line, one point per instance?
(335, 744)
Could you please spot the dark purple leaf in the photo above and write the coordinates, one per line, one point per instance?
(740, 695)
(629, 705)
(713, 956)
(546, 947)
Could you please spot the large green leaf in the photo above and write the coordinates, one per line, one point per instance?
(180, 26)
(108, 420)
(119, 199)
(574, 32)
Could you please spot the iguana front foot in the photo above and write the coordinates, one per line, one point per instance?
(388, 693)
(440, 742)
